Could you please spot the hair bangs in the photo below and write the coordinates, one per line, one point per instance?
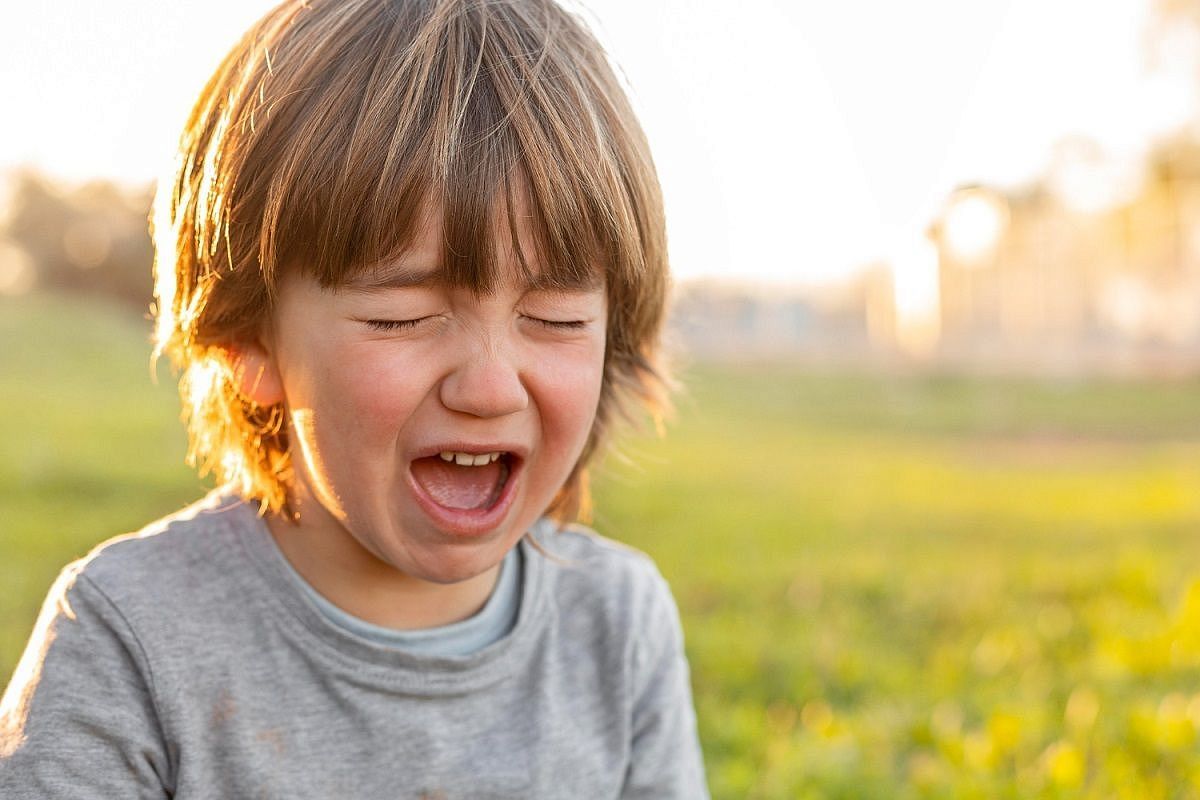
(487, 141)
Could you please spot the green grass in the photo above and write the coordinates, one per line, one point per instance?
(892, 586)
(89, 445)
(899, 586)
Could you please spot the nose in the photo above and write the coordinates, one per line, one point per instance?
(486, 384)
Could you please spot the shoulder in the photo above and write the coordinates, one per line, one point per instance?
(583, 555)
(619, 583)
(173, 561)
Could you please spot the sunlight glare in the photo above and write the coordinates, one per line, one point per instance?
(202, 379)
(973, 224)
(916, 294)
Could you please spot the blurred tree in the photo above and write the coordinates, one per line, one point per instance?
(92, 238)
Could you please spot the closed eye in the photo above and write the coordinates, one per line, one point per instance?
(394, 324)
(561, 325)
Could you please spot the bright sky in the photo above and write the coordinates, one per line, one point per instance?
(796, 139)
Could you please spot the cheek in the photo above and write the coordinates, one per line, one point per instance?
(383, 395)
(364, 392)
(571, 391)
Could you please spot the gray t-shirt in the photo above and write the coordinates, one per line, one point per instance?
(185, 662)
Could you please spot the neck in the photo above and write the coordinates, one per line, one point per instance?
(334, 563)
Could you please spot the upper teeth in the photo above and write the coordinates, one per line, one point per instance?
(468, 459)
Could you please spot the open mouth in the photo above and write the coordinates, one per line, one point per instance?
(461, 481)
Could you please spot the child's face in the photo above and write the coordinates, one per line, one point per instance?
(386, 378)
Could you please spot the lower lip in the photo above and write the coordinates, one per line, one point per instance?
(469, 522)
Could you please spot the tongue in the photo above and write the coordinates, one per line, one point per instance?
(454, 486)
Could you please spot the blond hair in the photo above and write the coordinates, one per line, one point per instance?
(316, 145)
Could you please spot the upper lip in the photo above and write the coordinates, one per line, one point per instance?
(474, 448)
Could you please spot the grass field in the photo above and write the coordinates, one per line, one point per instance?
(891, 586)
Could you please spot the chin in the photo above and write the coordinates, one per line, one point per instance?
(458, 570)
(451, 560)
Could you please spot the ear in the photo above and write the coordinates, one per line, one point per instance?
(257, 376)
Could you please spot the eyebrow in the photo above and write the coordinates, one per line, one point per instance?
(397, 276)
(563, 281)
(392, 277)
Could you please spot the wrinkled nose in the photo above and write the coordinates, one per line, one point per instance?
(486, 384)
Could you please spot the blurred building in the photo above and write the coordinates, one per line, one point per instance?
(1082, 273)
(1096, 268)
(729, 321)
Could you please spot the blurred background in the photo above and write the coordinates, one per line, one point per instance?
(931, 500)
